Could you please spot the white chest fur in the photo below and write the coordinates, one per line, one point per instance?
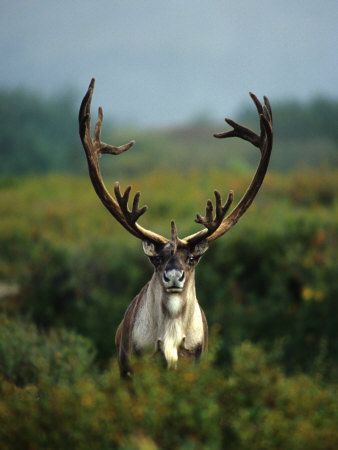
(171, 340)
(168, 329)
(174, 305)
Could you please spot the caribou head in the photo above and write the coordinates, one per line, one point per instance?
(174, 271)
(166, 316)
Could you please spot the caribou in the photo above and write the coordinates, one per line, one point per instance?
(166, 317)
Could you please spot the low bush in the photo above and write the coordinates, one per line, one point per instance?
(271, 280)
(86, 289)
(28, 356)
(276, 286)
(253, 405)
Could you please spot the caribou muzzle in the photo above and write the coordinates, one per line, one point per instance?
(173, 280)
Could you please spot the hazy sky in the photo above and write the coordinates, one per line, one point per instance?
(162, 62)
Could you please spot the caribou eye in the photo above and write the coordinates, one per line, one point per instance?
(192, 259)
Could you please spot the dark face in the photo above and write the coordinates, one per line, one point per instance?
(174, 268)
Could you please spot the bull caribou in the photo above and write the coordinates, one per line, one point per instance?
(166, 316)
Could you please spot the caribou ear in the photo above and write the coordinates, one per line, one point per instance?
(200, 248)
(149, 248)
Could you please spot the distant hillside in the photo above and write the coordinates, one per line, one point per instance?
(40, 135)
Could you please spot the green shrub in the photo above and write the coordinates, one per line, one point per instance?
(108, 275)
(86, 289)
(271, 280)
(254, 405)
(277, 287)
(47, 284)
(28, 356)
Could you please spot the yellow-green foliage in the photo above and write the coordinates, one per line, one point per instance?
(27, 356)
(65, 208)
(253, 405)
(271, 279)
(270, 286)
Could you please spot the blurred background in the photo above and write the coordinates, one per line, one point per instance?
(167, 73)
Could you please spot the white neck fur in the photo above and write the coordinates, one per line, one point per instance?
(173, 323)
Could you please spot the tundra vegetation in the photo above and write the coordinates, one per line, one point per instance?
(269, 290)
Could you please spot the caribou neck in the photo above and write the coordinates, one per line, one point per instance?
(173, 315)
(172, 305)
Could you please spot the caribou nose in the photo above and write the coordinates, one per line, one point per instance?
(173, 279)
(165, 278)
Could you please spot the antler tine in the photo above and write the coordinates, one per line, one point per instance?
(208, 221)
(97, 148)
(268, 107)
(94, 148)
(174, 237)
(135, 213)
(107, 148)
(173, 231)
(214, 228)
(238, 131)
